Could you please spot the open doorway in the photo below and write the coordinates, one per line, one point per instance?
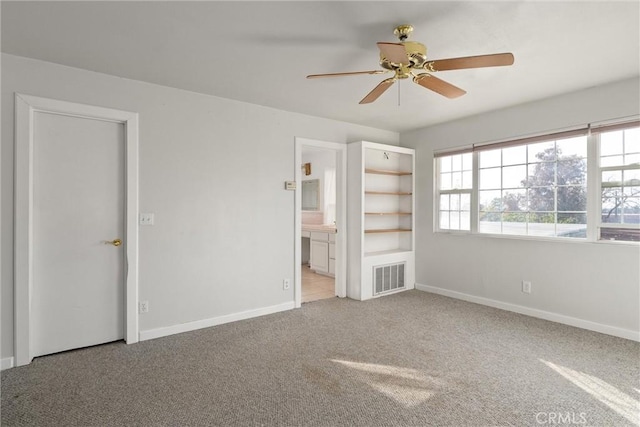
(320, 219)
(318, 222)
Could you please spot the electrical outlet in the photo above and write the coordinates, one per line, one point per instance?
(526, 287)
(146, 219)
(286, 284)
(144, 306)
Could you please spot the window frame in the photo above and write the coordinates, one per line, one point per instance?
(598, 194)
(438, 192)
(528, 163)
(593, 184)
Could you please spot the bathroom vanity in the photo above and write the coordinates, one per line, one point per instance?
(322, 248)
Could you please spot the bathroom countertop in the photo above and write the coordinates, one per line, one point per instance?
(319, 227)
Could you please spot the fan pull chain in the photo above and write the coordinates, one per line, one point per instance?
(398, 94)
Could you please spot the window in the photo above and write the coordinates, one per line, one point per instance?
(537, 189)
(620, 184)
(455, 178)
(577, 184)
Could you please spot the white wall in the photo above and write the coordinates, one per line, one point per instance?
(593, 282)
(211, 169)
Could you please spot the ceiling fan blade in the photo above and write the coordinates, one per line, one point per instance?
(439, 86)
(378, 90)
(480, 61)
(394, 52)
(350, 73)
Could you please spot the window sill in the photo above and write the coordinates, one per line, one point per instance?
(571, 240)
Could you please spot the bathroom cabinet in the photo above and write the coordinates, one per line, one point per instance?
(322, 258)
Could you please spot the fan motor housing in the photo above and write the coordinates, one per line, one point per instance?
(416, 53)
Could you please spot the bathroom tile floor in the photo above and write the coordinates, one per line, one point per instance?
(316, 286)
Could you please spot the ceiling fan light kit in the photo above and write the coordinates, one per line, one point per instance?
(409, 59)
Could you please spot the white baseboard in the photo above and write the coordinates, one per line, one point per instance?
(206, 323)
(534, 312)
(6, 363)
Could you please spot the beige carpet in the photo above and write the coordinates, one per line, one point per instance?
(410, 359)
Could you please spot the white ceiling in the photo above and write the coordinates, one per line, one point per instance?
(260, 52)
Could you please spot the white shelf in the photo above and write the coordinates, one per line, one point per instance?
(390, 193)
(388, 213)
(387, 230)
(387, 172)
(387, 252)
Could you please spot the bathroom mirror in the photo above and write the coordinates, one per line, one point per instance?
(311, 195)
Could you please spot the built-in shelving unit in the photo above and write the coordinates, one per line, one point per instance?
(381, 217)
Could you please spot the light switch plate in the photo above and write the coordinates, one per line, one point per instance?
(146, 219)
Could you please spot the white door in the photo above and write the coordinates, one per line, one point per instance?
(78, 206)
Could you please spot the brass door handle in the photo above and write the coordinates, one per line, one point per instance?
(116, 242)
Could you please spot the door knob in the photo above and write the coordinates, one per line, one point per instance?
(116, 242)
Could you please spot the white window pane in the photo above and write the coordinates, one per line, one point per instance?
(572, 198)
(632, 140)
(611, 143)
(542, 224)
(542, 151)
(631, 191)
(490, 178)
(467, 179)
(541, 174)
(611, 209)
(445, 164)
(514, 223)
(454, 220)
(465, 221)
(444, 220)
(572, 147)
(456, 180)
(465, 202)
(631, 177)
(490, 200)
(514, 155)
(611, 178)
(455, 202)
(490, 158)
(611, 161)
(542, 199)
(514, 200)
(572, 225)
(445, 181)
(514, 176)
(490, 222)
(632, 159)
(572, 172)
(444, 202)
(467, 161)
(631, 210)
(456, 162)
(612, 197)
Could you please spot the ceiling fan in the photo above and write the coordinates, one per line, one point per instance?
(409, 59)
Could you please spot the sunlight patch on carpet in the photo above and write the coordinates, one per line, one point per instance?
(408, 387)
(615, 399)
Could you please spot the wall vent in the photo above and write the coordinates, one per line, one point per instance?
(388, 278)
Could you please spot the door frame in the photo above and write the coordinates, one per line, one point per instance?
(341, 214)
(25, 108)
